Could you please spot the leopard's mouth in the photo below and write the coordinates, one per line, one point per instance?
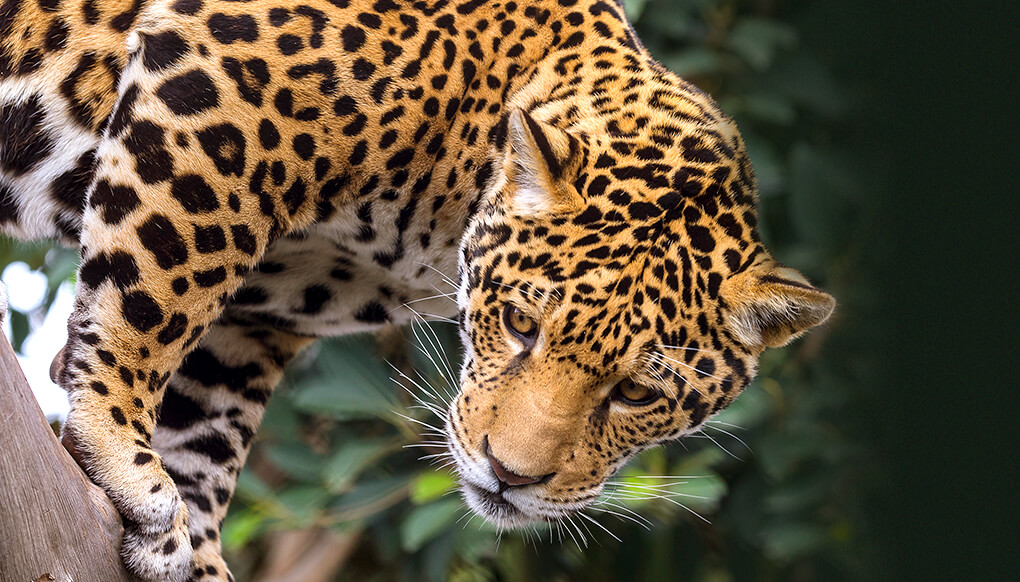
(494, 506)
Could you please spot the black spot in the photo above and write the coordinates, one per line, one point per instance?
(244, 240)
(315, 297)
(295, 196)
(107, 357)
(573, 40)
(56, 35)
(118, 416)
(143, 458)
(152, 162)
(228, 29)
(643, 210)
(268, 135)
(122, 114)
(362, 69)
(215, 446)
(188, 7)
(159, 236)
(24, 142)
(119, 267)
(372, 312)
(695, 151)
(344, 106)
(99, 388)
(400, 159)
(210, 277)
(304, 146)
(701, 238)
(115, 201)
(178, 411)
(180, 286)
(209, 239)
(69, 188)
(222, 497)
(327, 86)
(251, 77)
(124, 20)
(251, 296)
(162, 50)
(194, 194)
(174, 329)
(189, 93)
(353, 38)
(224, 144)
(289, 44)
(589, 215)
(141, 311)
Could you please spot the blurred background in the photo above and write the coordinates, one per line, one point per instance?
(793, 482)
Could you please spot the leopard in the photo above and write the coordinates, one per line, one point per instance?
(243, 177)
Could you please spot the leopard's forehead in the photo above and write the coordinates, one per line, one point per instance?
(638, 266)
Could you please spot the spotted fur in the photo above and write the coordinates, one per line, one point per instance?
(243, 177)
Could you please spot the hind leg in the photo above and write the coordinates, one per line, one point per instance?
(211, 409)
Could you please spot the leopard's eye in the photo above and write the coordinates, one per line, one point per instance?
(634, 394)
(520, 324)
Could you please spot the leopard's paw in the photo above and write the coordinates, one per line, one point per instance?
(159, 556)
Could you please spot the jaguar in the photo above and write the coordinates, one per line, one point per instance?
(245, 176)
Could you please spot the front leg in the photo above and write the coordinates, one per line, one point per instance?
(177, 214)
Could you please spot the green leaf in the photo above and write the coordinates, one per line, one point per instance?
(251, 487)
(758, 41)
(822, 192)
(20, 329)
(634, 8)
(697, 61)
(427, 521)
(369, 497)
(240, 528)
(296, 460)
(429, 486)
(354, 382)
(304, 503)
(767, 164)
(353, 457)
(787, 541)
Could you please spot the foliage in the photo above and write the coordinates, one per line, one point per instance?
(335, 451)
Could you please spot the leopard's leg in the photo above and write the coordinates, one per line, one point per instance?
(212, 407)
(176, 215)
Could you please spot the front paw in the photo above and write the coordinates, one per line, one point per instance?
(159, 556)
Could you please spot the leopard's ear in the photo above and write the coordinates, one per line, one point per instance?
(541, 164)
(768, 305)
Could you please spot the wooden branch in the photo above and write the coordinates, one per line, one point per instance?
(55, 524)
(306, 555)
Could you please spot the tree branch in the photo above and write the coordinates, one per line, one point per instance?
(55, 524)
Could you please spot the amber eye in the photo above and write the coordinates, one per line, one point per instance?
(634, 394)
(519, 323)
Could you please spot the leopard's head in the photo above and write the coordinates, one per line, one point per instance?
(614, 294)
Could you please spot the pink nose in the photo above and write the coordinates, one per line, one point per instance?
(506, 476)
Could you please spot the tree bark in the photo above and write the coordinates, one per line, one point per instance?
(55, 524)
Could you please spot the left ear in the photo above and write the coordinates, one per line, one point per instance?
(768, 305)
(541, 163)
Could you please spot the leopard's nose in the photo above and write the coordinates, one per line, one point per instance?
(507, 477)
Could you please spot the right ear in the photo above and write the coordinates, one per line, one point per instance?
(541, 162)
(769, 305)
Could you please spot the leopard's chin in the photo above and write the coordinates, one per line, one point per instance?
(498, 508)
